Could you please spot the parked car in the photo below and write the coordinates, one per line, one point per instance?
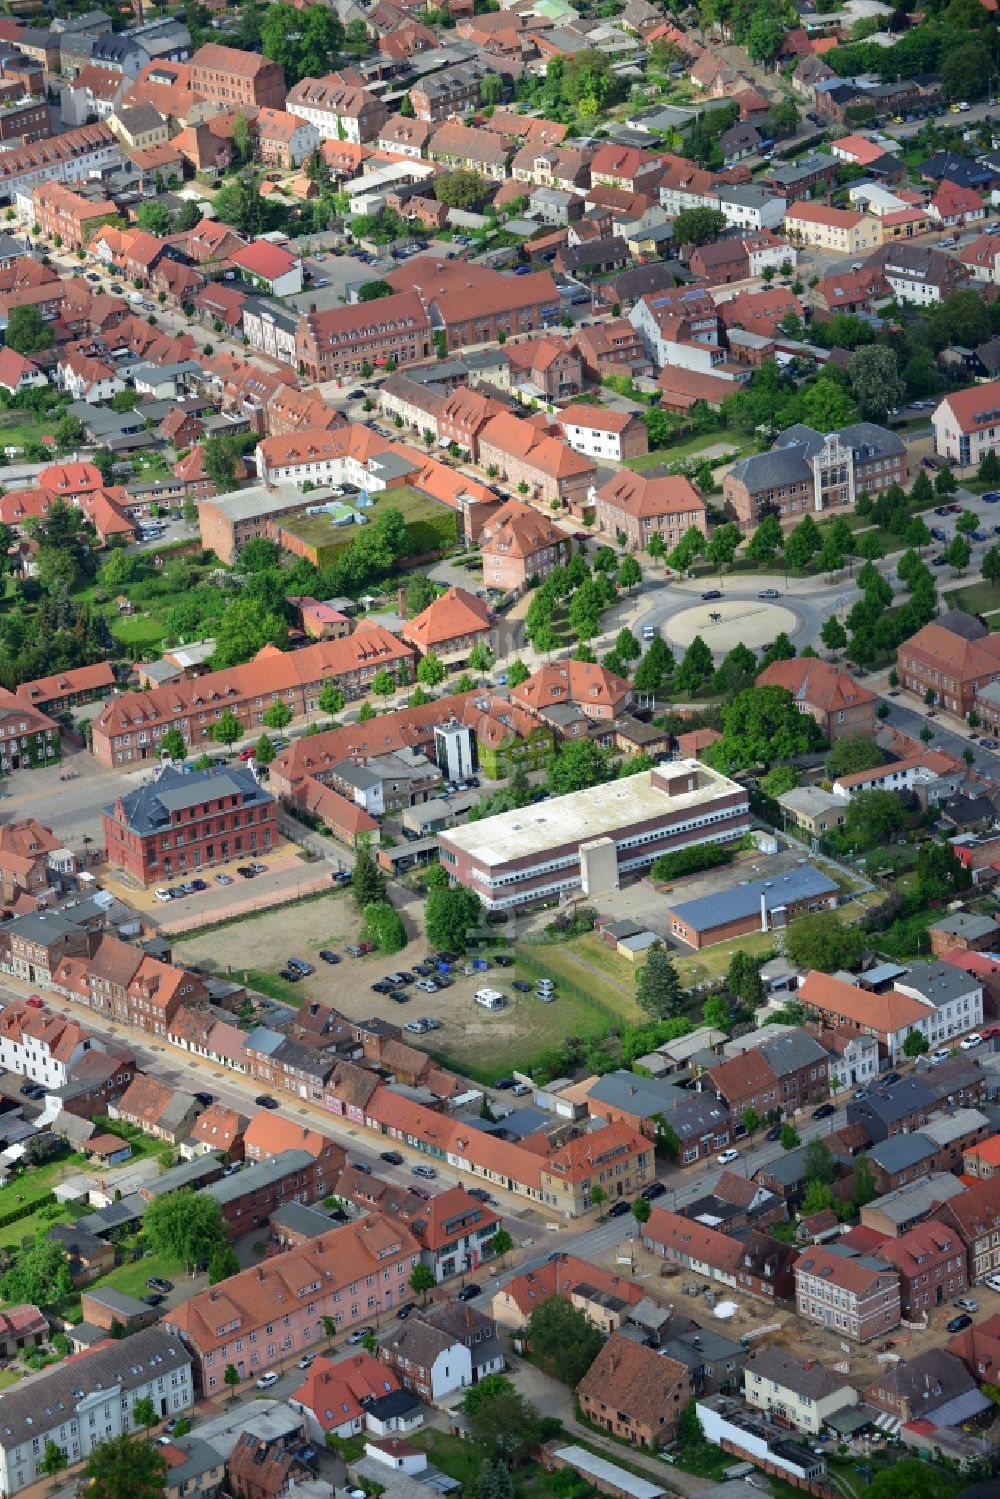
(825, 1111)
(469, 1292)
(161, 893)
(481, 1193)
(358, 1335)
(727, 1157)
(361, 1166)
(301, 966)
(155, 1300)
(969, 1043)
(428, 1172)
(502, 960)
(157, 1283)
(392, 1157)
(654, 1190)
(504, 1082)
(990, 1032)
(326, 956)
(205, 1099)
(266, 1381)
(199, 885)
(522, 986)
(265, 1101)
(619, 1209)
(959, 1324)
(290, 975)
(774, 1133)
(224, 879)
(941, 1055)
(967, 1304)
(405, 1310)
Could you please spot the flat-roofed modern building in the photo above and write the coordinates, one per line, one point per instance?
(592, 840)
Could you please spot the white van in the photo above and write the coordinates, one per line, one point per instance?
(490, 999)
(649, 632)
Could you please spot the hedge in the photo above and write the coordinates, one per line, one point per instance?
(690, 860)
(25, 1209)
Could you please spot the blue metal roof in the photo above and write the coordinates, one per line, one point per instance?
(744, 900)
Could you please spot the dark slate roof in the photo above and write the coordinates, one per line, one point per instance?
(900, 1152)
(892, 1103)
(149, 808)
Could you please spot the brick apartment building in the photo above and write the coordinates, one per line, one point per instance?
(248, 1198)
(129, 729)
(807, 472)
(336, 343)
(27, 121)
(644, 506)
(520, 543)
(524, 455)
(954, 657)
(236, 78)
(183, 823)
(451, 627)
(636, 1393)
(854, 1296)
(474, 305)
(932, 1266)
(831, 696)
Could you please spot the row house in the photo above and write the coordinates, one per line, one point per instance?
(564, 168)
(156, 1109)
(757, 1265)
(636, 1393)
(283, 138)
(462, 146)
(599, 433)
(335, 343)
(272, 1134)
(339, 111)
(74, 156)
(58, 210)
(932, 1266)
(679, 328)
(129, 729)
(439, 96)
(613, 347)
(975, 1216)
(525, 456)
(441, 1349)
(473, 304)
(854, 1296)
(29, 859)
(451, 627)
(279, 1309)
(38, 941)
(39, 1045)
(247, 1199)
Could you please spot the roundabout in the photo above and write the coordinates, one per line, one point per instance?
(727, 622)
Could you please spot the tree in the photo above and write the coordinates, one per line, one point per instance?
(219, 463)
(629, 574)
(802, 544)
(185, 1225)
(766, 541)
(222, 1264)
(818, 1164)
(517, 673)
(27, 331)
(369, 882)
(819, 939)
(577, 765)
(154, 218)
(449, 917)
(696, 667)
(751, 1121)
(487, 1389)
(239, 204)
(762, 725)
(989, 468)
(873, 376)
(422, 1280)
(491, 90)
(831, 558)
(816, 1199)
(564, 1338)
(373, 291)
(873, 817)
(503, 1423)
(915, 1044)
(863, 1188)
(260, 555)
(430, 671)
(598, 1196)
(852, 753)
(126, 1467)
(227, 728)
(789, 1137)
(967, 522)
(744, 980)
(481, 657)
(493, 1480)
(501, 1244)
(331, 698)
(916, 533)
(641, 1211)
(716, 1013)
(696, 226)
(626, 645)
(910, 1479)
(965, 70)
(54, 1459)
(945, 482)
(764, 36)
(460, 189)
(278, 715)
(832, 634)
(144, 1412)
(231, 1378)
(940, 873)
(658, 990)
(39, 1275)
(384, 683)
(173, 744)
(384, 926)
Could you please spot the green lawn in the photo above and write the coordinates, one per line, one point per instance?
(273, 986)
(691, 447)
(19, 427)
(974, 598)
(9, 1377)
(433, 527)
(131, 1279)
(14, 1234)
(145, 630)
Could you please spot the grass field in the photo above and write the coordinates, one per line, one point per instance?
(19, 427)
(433, 527)
(144, 630)
(9, 1377)
(131, 1279)
(974, 598)
(691, 447)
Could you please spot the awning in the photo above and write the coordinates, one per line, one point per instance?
(962, 1408)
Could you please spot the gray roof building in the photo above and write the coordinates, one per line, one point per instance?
(151, 807)
(259, 1176)
(916, 1200)
(938, 983)
(809, 1379)
(745, 900)
(790, 460)
(194, 1174)
(641, 1096)
(902, 1152)
(882, 1107)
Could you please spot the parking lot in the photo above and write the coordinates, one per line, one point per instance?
(467, 1034)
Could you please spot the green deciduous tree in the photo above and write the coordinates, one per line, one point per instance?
(821, 940)
(502, 1422)
(231, 1379)
(462, 188)
(789, 1137)
(575, 766)
(696, 226)
(863, 1188)
(696, 667)
(833, 634)
(430, 671)
(126, 1467)
(184, 1224)
(222, 1264)
(27, 331)
(564, 1338)
(873, 375)
(450, 916)
(227, 728)
(658, 990)
(384, 926)
(422, 1280)
(278, 715)
(331, 698)
(873, 817)
(915, 1044)
(39, 1275)
(852, 753)
(762, 725)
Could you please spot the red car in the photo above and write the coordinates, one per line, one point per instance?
(34, 1003)
(990, 1032)
(247, 754)
(367, 946)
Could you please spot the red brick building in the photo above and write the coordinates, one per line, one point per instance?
(237, 78)
(829, 695)
(338, 341)
(954, 657)
(932, 1265)
(179, 823)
